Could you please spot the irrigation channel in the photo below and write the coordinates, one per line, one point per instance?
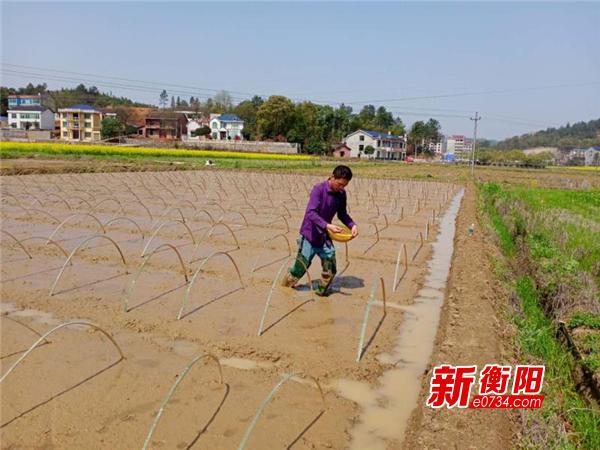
(143, 310)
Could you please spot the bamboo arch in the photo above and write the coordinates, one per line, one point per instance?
(212, 220)
(289, 248)
(172, 221)
(75, 251)
(127, 293)
(61, 199)
(52, 216)
(398, 277)
(14, 238)
(180, 378)
(27, 327)
(170, 210)
(268, 399)
(270, 295)
(187, 292)
(220, 220)
(56, 328)
(370, 301)
(56, 244)
(143, 205)
(76, 215)
(209, 233)
(287, 224)
(108, 222)
(109, 199)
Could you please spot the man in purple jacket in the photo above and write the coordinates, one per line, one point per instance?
(326, 199)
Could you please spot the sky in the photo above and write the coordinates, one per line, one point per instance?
(522, 66)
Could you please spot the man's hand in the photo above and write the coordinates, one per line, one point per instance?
(334, 228)
(354, 231)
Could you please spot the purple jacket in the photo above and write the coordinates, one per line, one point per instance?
(323, 204)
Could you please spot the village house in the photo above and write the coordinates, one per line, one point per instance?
(80, 123)
(29, 112)
(165, 125)
(226, 126)
(341, 151)
(385, 146)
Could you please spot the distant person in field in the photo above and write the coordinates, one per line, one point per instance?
(327, 199)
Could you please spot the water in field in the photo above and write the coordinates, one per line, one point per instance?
(387, 408)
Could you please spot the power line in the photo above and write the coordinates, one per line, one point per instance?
(107, 84)
(162, 85)
(465, 94)
(156, 90)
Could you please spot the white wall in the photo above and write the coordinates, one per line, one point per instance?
(353, 141)
(44, 122)
(233, 129)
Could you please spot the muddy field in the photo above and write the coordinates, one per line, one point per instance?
(177, 265)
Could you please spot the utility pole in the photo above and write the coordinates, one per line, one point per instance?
(475, 119)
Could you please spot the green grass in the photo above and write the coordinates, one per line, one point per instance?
(556, 252)
(490, 192)
(583, 203)
(536, 339)
(585, 319)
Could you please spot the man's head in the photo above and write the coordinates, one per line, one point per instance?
(340, 178)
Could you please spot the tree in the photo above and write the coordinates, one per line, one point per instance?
(305, 125)
(163, 99)
(111, 127)
(202, 131)
(172, 102)
(315, 146)
(342, 122)
(247, 111)
(398, 128)
(383, 120)
(369, 150)
(433, 131)
(222, 102)
(275, 116)
(366, 118)
(417, 135)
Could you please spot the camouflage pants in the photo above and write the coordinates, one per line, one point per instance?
(306, 253)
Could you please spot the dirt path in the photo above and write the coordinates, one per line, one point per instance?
(470, 332)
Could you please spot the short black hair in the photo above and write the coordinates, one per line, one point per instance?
(342, 172)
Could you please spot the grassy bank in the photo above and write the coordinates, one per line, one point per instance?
(550, 240)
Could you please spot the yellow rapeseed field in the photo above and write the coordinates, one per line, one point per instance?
(108, 150)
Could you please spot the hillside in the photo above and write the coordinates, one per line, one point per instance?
(66, 97)
(578, 135)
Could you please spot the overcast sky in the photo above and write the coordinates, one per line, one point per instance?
(522, 66)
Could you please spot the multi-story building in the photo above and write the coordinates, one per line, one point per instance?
(30, 117)
(226, 126)
(436, 147)
(29, 112)
(459, 146)
(80, 123)
(15, 100)
(165, 125)
(385, 146)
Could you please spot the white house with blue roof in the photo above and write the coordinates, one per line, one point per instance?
(386, 146)
(226, 127)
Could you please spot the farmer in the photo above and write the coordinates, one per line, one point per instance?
(326, 199)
